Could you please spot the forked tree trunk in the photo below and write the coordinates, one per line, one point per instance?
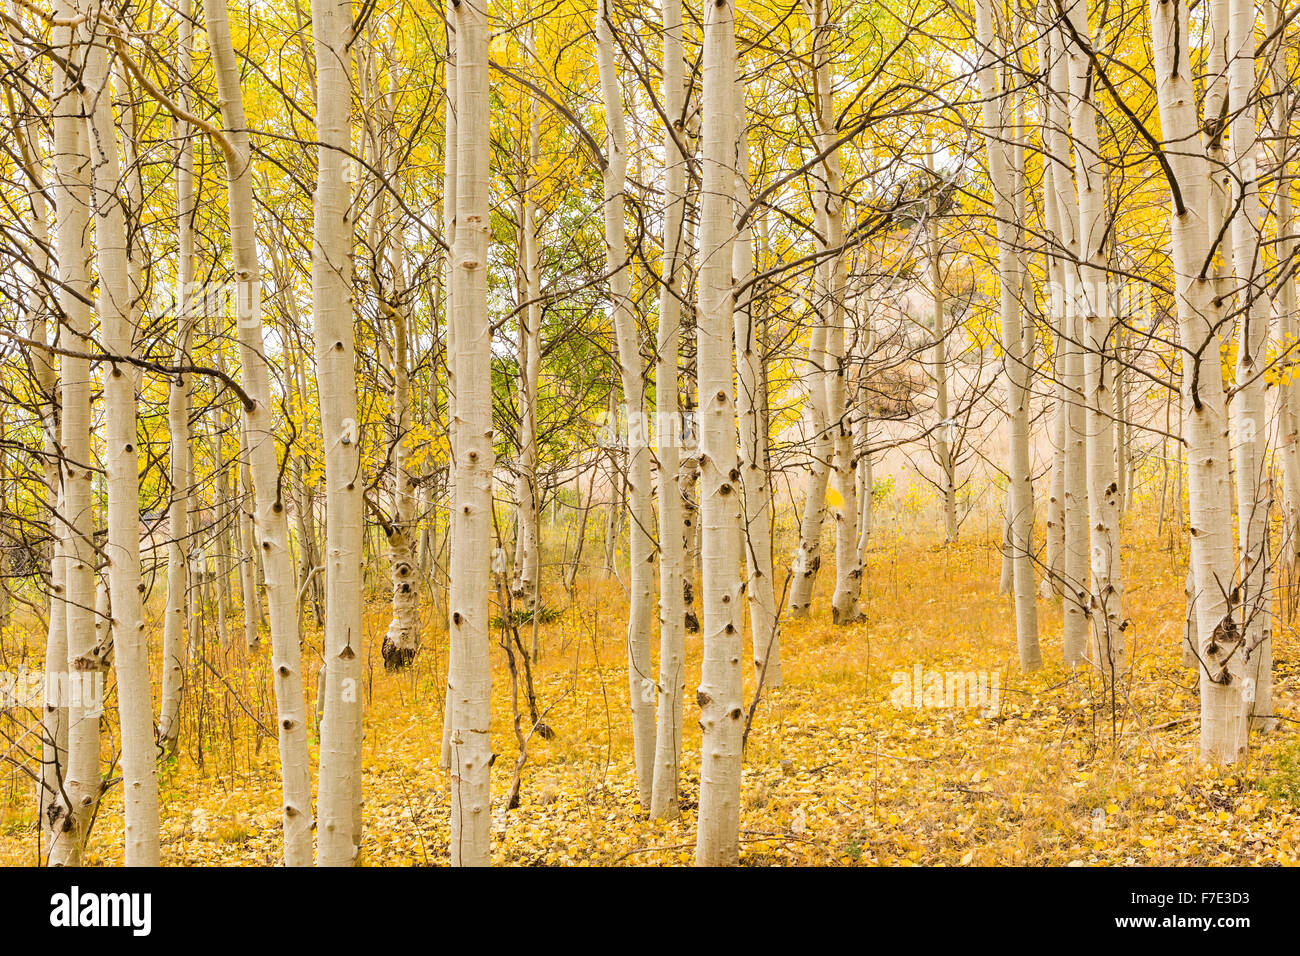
(1091, 306)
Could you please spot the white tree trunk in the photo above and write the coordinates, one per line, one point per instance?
(829, 199)
(1221, 657)
(721, 690)
(641, 683)
(1016, 370)
(338, 834)
(471, 677)
(751, 404)
(1091, 303)
(180, 462)
(1254, 484)
(122, 553)
(528, 554)
(272, 523)
(74, 805)
(668, 431)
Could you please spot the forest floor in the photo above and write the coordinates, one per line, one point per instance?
(838, 768)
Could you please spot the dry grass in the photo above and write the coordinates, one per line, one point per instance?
(835, 772)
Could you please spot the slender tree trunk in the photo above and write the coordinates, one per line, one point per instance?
(1063, 200)
(54, 712)
(1091, 305)
(272, 524)
(808, 554)
(828, 196)
(471, 677)
(528, 563)
(1221, 658)
(668, 432)
(180, 460)
(641, 683)
(721, 690)
(130, 645)
(75, 803)
(1016, 370)
(1254, 484)
(338, 836)
(751, 402)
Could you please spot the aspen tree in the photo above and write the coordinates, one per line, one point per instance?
(180, 461)
(1065, 222)
(528, 556)
(54, 714)
(1221, 658)
(829, 200)
(1015, 369)
(122, 553)
(641, 684)
(1285, 330)
(471, 677)
(668, 432)
(1254, 494)
(74, 803)
(751, 402)
(337, 832)
(271, 525)
(1091, 304)
(450, 167)
(401, 642)
(720, 693)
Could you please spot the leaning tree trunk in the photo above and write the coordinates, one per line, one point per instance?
(1200, 311)
(122, 462)
(272, 522)
(641, 683)
(721, 690)
(471, 677)
(1016, 370)
(668, 432)
(338, 833)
